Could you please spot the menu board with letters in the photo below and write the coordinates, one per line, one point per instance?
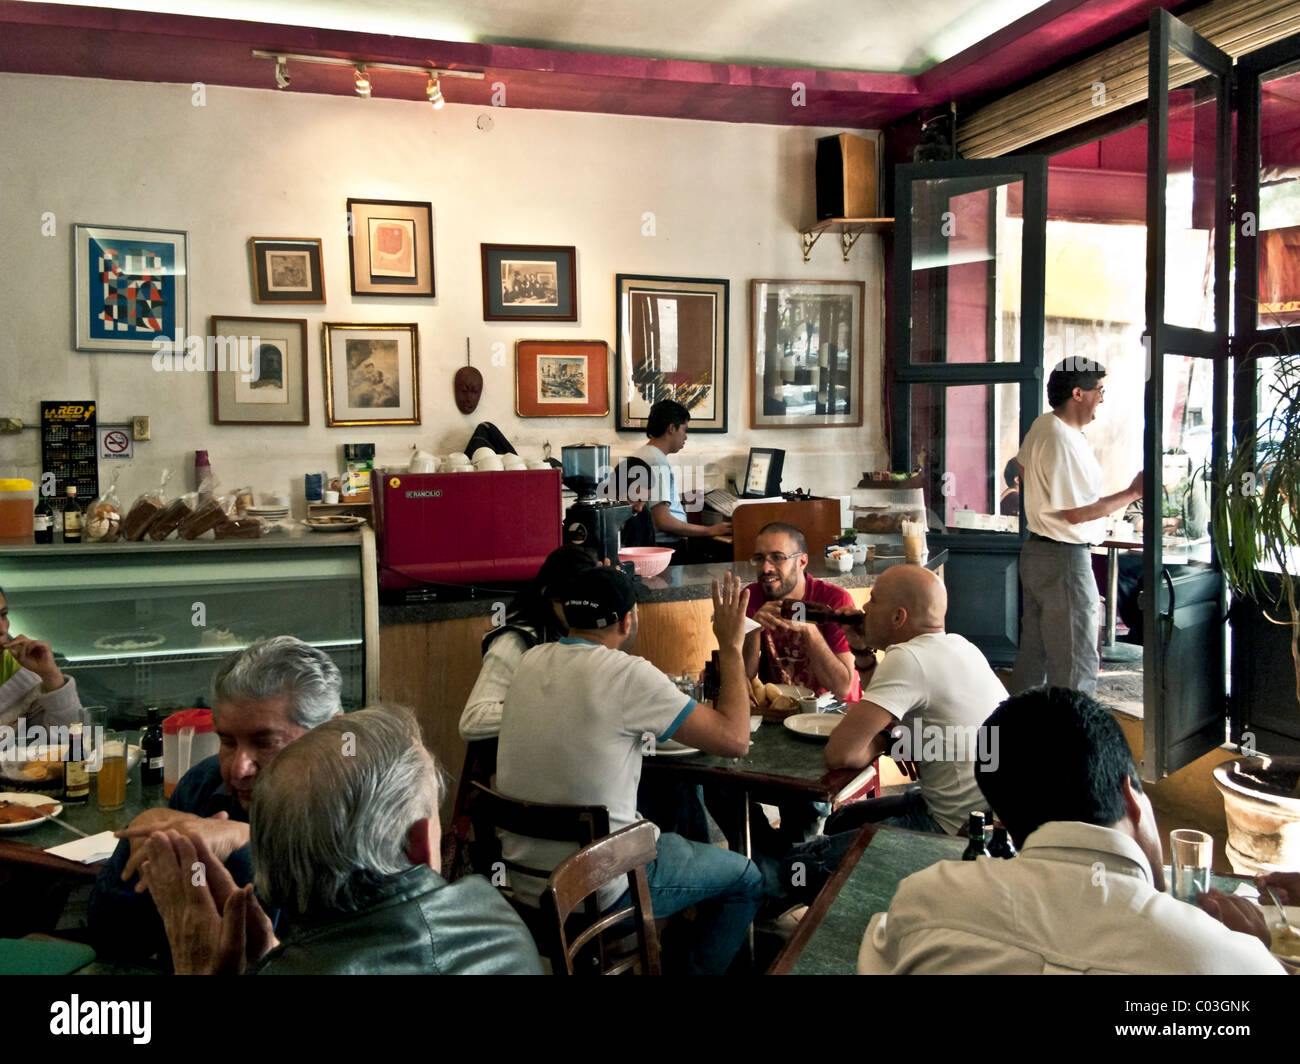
(68, 442)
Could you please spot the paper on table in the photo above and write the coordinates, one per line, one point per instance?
(88, 850)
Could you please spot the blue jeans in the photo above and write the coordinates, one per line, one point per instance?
(726, 887)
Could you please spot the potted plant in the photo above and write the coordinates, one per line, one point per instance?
(1255, 527)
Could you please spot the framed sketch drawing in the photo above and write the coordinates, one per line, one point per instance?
(262, 379)
(529, 282)
(672, 344)
(561, 378)
(372, 374)
(130, 287)
(805, 353)
(391, 247)
(287, 269)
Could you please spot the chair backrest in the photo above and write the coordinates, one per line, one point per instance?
(491, 811)
(625, 853)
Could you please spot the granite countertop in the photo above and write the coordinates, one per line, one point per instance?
(677, 583)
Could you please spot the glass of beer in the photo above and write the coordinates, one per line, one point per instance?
(111, 778)
(1192, 854)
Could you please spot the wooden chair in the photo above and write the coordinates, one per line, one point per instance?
(480, 766)
(491, 811)
(625, 853)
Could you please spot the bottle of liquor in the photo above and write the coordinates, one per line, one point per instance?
(1001, 845)
(43, 521)
(151, 743)
(71, 517)
(975, 831)
(76, 780)
(819, 612)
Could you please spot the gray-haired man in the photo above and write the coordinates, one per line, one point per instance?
(345, 838)
(263, 698)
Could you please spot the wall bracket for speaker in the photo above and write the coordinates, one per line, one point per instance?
(849, 230)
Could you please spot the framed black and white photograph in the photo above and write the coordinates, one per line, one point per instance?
(805, 354)
(287, 269)
(529, 282)
(672, 344)
(259, 371)
(372, 374)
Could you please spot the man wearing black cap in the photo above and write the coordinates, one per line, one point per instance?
(577, 719)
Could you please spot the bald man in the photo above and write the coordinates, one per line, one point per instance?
(932, 690)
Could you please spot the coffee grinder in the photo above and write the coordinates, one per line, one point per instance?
(591, 523)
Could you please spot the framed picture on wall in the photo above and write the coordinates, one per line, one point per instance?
(130, 287)
(390, 247)
(372, 374)
(672, 344)
(287, 269)
(805, 354)
(259, 371)
(561, 378)
(529, 282)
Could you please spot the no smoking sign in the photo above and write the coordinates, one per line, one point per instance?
(114, 443)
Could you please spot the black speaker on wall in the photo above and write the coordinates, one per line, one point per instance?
(846, 177)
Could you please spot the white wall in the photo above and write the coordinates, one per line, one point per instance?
(726, 199)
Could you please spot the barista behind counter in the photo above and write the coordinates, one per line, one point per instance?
(666, 428)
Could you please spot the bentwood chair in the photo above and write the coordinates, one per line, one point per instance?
(623, 854)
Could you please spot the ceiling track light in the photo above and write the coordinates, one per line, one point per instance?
(362, 69)
(434, 91)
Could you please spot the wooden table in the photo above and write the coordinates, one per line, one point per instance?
(779, 768)
(1112, 548)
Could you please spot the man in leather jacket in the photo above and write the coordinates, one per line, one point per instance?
(345, 840)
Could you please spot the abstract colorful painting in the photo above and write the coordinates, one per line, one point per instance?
(131, 288)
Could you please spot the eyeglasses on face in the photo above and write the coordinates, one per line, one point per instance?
(776, 558)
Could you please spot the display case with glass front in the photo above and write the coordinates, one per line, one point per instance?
(145, 624)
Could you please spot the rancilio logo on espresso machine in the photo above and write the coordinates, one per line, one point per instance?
(431, 493)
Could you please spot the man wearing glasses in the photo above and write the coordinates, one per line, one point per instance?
(1060, 485)
(784, 650)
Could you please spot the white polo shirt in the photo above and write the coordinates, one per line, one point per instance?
(1061, 473)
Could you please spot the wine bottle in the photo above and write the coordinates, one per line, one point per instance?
(976, 847)
(151, 743)
(1001, 845)
(71, 516)
(76, 780)
(43, 521)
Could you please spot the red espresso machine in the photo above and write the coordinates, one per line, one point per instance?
(464, 528)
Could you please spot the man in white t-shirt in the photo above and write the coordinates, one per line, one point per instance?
(666, 427)
(577, 720)
(1060, 488)
(936, 684)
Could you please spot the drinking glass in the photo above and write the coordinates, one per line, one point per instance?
(111, 778)
(1191, 853)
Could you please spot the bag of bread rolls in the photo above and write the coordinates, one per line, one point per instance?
(103, 522)
(145, 509)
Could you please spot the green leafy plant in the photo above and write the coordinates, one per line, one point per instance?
(1254, 522)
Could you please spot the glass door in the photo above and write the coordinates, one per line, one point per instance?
(970, 240)
(1184, 602)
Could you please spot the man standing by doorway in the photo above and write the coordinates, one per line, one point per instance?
(1060, 485)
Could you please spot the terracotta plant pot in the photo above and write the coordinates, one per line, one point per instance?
(1262, 804)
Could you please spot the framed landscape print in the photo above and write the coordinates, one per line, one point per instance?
(262, 379)
(561, 378)
(672, 344)
(287, 269)
(805, 353)
(372, 374)
(130, 287)
(529, 282)
(390, 248)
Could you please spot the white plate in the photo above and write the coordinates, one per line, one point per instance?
(28, 799)
(1273, 920)
(336, 524)
(672, 748)
(813, 725)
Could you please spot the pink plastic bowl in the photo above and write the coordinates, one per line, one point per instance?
(648, 561)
